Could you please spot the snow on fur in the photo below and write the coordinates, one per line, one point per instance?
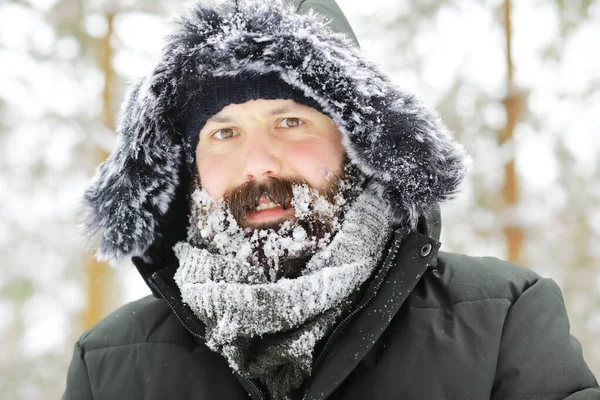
(386, 131)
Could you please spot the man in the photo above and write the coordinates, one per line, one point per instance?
(280, 197)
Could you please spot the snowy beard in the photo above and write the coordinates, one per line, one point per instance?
(281, 248)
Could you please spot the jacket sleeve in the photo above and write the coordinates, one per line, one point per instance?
(538, 358)
(78, 381)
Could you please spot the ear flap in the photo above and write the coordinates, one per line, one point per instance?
(134, 187)
(170, 229)
(407, 147)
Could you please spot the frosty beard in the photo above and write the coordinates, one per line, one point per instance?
(281, 248)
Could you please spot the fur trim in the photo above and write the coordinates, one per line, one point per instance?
(387, 132)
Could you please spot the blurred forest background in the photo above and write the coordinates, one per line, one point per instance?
(519, 84)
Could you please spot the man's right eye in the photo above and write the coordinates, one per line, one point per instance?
(225, 133)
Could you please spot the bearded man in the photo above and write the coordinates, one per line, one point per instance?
(281, 199)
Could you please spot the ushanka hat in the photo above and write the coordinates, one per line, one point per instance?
(136, 203)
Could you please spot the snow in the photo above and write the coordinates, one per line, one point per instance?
(237, 298)
(213, 224)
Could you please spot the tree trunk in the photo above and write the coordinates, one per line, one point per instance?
(510, 190)
(99, 274)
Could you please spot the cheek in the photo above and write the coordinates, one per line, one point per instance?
(216, 173)
(315, 162)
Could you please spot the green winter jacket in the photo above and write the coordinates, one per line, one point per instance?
(429, 326)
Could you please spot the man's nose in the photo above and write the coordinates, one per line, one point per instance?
(262, 158)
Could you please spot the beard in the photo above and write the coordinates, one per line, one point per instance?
(280, 247)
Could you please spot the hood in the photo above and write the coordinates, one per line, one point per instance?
(136, 205)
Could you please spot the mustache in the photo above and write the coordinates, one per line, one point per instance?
(245, 197)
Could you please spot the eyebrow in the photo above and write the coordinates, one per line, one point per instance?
(278, 111)
(225, 119)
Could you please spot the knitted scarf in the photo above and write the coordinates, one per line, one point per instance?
(268, 330)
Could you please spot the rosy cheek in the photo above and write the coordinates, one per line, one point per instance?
(215, 175)
(313, 164)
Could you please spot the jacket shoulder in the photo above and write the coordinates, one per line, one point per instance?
(147, 320)
(459, 278)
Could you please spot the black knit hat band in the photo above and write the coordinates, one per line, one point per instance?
(222, 91)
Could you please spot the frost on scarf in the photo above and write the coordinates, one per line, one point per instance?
(237, 301)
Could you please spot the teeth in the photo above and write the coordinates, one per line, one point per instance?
(266, 206)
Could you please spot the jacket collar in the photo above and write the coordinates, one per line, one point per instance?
(407, 261)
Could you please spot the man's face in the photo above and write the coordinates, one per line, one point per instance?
(264, 139)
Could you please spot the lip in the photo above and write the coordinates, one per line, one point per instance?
(270, 215)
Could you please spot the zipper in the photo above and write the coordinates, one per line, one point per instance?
(391, 257)
(254, 385)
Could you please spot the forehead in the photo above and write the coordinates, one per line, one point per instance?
(260, 107)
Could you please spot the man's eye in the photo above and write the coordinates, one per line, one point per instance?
(290, 123)
(225, 133)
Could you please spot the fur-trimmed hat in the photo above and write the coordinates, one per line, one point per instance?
(138, 195)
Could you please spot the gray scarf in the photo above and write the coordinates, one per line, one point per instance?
(268, 330)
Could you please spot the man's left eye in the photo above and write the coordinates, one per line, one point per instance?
(290, 123)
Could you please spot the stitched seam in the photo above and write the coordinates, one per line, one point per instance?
(503, 331)
(525, 396)
(461, 303)
(82, 356)
(137, 344)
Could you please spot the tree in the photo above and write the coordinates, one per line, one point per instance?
(57, 124)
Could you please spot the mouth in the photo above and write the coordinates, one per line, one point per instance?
(266, 206)
(268, 211)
